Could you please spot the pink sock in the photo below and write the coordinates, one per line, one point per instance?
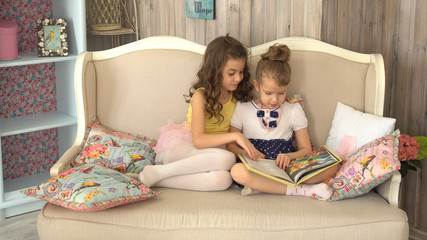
(319, 191)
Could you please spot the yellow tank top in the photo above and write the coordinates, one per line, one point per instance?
(211, 124)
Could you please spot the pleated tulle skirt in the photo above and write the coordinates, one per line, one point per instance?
(173, 138)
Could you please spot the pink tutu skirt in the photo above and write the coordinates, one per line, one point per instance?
(172, 136)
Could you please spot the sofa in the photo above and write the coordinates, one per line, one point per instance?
(137, 87)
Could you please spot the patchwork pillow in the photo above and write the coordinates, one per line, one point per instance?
(364, 126)
(296, 98)
(117, 150)
(366, 167)
(90, 188)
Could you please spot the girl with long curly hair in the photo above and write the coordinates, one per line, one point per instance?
(193, 155)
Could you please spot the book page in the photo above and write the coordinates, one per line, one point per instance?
(318, 159)
(267, 166)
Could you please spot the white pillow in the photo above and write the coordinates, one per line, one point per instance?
(364, 126)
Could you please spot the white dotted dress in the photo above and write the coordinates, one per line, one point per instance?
(270, 130)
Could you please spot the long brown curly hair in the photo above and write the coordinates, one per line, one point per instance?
(217, 53)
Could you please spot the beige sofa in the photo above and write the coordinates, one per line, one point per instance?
(139, 86)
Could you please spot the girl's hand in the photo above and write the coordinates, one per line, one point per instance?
(248, 146)
(283, 160)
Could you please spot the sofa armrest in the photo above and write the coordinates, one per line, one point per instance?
(63, 163)
(389, 189)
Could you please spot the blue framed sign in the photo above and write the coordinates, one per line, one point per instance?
(200, 9)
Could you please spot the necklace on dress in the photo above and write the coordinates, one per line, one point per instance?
(269, 118)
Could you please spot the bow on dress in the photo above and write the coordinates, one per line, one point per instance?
(271, 114)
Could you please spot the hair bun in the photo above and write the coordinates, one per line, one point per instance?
(277, 52)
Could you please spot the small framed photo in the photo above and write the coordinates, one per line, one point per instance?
(52, 37)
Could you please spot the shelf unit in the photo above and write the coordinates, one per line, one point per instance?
(12, 202)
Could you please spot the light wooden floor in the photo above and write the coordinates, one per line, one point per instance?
(20, 227)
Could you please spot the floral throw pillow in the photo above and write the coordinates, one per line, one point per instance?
(124, 152)
(90, 188)
(366, 167)
(296, 98)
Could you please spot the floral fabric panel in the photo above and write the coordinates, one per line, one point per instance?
(367, 167)
(30, 153)
(27, 90)
(124, 152)
(91, 188)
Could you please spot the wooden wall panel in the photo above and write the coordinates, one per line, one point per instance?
(389, 51)
(403, 74)
(313, 18)
(179, 19)
(258, 13)
(284, 18)
(252, 22)
(233, 18)
(416, 99)
(246, 22)
(329, 21)
(270, 23)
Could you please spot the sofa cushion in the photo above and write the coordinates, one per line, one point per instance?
(364, 126)
(366, 167)
(181, 214)
(89, 188)
(124, 152)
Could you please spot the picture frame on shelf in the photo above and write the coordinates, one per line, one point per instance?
(52, 37)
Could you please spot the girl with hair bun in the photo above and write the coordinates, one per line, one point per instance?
(270, 124)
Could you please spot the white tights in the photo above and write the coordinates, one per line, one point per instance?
(189, 168)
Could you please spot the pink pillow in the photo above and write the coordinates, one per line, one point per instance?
(366, 167)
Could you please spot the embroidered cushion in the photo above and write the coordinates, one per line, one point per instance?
(364, 126)
(366, 167)
(296, 98)
(124, 152)
(89, 188)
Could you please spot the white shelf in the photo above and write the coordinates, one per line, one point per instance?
(21, 183)
(12, 202)
(29, 58)
(14, 197)
(36, 122)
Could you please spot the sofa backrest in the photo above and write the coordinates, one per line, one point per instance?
(139, 86)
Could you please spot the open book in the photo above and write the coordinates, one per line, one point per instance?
(299, 170)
